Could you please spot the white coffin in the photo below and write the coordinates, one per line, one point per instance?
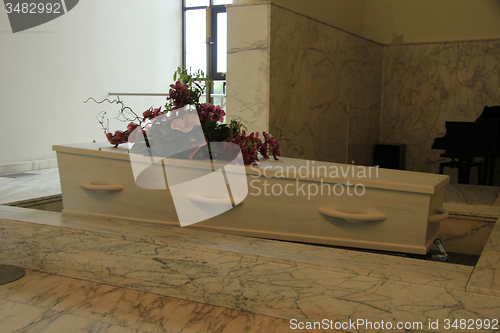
(388, 210)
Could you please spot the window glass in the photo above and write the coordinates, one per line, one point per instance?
(219, 93)
(223, 2)
(196, 47)
(203, 98)
(221, 42)
(197, 3)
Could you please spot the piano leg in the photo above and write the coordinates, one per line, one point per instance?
(479, 173)
(464, 166)
(491, 175)
(464, 172)
(486, 170)
(441, 168)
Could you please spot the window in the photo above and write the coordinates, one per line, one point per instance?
(205, 43)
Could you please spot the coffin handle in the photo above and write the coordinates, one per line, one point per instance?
(440, 215)
(367, 217)
(211, 201)
(94, 187)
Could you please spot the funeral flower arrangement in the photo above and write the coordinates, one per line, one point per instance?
(184, 95)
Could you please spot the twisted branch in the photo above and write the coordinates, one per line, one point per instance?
(122, 113)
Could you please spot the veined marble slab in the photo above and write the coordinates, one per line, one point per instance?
(33, 184)
(486, 279)
(324, 89)
(457, 208)
(316, 88)
(476, 195)
(292, 281)
(357, 263)
(42, 302)
(248, 65)
(27, 166)
(425, 85)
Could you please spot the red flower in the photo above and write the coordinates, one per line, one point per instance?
(210, 112)
(111, 139)
(273, 144)
(263, 150)
(117, 138)
(151, 113)
(202, 114)
(121, 136)
(179, 94)
(208, 115)
(132, 126)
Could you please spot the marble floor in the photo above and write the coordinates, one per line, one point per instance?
(33, 184)
(41, 302)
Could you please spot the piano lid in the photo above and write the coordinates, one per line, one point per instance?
(490, 113)
(471, 138)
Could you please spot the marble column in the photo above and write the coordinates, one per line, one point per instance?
(248, 65)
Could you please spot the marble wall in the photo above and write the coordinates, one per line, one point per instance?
(298, 78)
(318, 75)
(425, 85)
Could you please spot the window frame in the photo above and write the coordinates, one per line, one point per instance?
(211, 42)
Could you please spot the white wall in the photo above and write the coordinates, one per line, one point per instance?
(423, 21)
(98, 47)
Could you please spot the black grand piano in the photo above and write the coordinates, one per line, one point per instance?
(465, 142)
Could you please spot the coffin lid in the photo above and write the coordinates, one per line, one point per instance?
(304, 170)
